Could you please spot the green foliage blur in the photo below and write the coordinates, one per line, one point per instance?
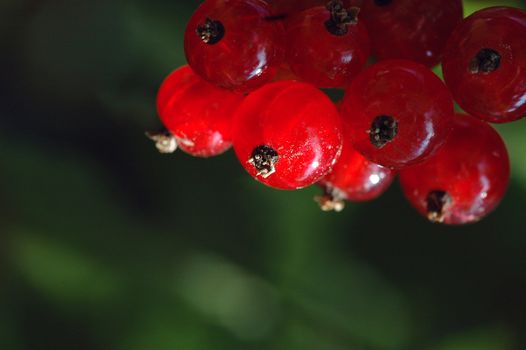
(106, 244)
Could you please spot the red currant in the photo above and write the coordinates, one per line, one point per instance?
(485, 64)
(465, 179)
(233, 44)
(327, 46)
(397, 113)
(287, 134)
(198, 114)
(353, 178)
(411, 29)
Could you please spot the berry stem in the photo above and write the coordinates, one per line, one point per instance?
(340, 17)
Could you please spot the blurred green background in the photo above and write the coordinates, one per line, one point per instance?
(106, 244)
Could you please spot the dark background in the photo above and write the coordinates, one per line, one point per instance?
(106, 244)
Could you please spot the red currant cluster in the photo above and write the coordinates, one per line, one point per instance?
(254, 77)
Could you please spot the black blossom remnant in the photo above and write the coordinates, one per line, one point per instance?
(211, 32)
(383, 130)
(485, 62)
(340, 18)
(264, 158)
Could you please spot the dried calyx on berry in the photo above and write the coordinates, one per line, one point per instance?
(164, 141)
(437, 203)
(264, 159)
(211, 32)
(340, 17)
(332, 199)
(383, 130)
(485, 61)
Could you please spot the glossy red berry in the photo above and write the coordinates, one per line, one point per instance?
(327, 45)
(397, 113)
(353, 178)
(485, 64)
(415, 30)
(465, 180)
(233, 44)
(198, 114)
(287, 134)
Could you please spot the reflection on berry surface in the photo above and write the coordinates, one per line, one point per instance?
(465, 180)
